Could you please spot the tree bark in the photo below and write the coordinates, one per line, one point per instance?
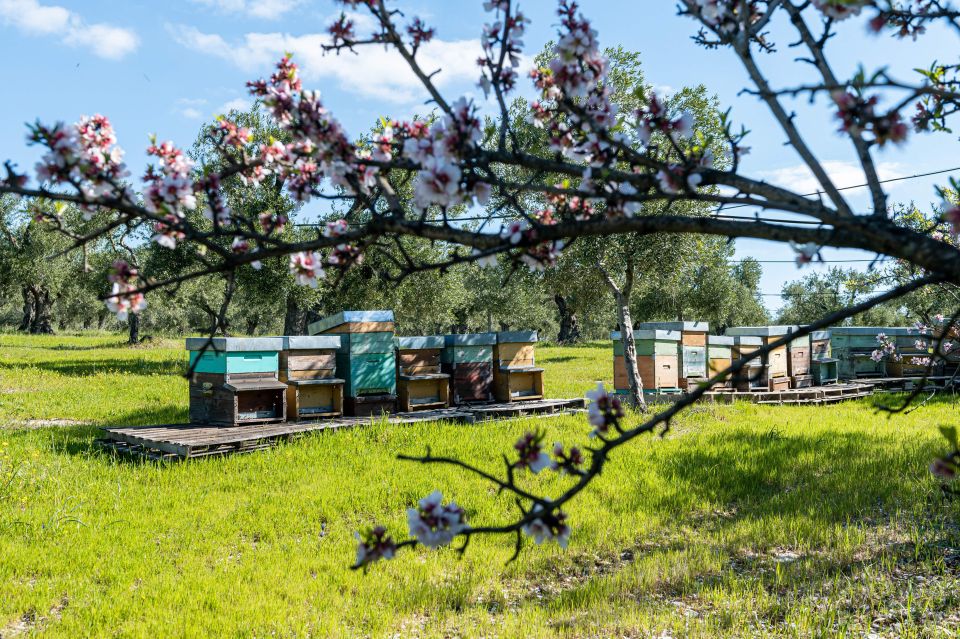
(295, 318)
(133, 324)
(27, 320)
(41, 312)
(569, 326)
(622, 297)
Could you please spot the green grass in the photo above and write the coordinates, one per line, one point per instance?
(744, 520)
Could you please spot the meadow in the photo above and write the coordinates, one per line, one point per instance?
(742, 521)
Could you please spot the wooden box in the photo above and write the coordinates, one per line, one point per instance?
(779, 383)
(693, 348)
(308, 367)
(852, 347)
(719, 357)
(658, 360)
(825, 371)
(420, 384)
(820, 345)
(516, 376)
(234, 381)
(776, 360)
(468, 359)
(753, 376)
(798, 356)
(366, 359)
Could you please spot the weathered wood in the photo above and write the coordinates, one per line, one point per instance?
(370, 405)
(362, 327)
(308, 360)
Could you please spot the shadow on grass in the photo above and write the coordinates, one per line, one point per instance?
(927, 398)
(87, 367)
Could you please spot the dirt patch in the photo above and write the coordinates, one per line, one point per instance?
(32, 424)
(30, 621)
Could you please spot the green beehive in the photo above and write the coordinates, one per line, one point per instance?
(852, 346)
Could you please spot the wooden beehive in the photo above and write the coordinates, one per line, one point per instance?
(692, 352)
(798, 361)
(420, 384)
(753, 376)
(658, 357)
(823, 366)
(516, 376)
(366, 359)
(308, 366)
(820, 345)
(468, 360)
(720, 357)
(777, 359)
(852, 347)
(234, 381)
(914, 361)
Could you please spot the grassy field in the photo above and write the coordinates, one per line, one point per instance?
(743, 521)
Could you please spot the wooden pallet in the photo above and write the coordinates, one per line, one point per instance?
(187, 441)
(813, 395)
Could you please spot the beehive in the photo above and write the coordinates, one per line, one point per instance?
(308, 367)
(852, 346)
(949, 349)
(657, 360)
(776, 360)
(234, 380)
(798, 361)
(753, 376)
(822, 365)
(366, 359)
(516, 376)
(719, 357)
(693, 348)
(420, 384)
(914, 360)
(468, 359)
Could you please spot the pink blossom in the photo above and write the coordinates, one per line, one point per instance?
(435, 524)
(124, 299)
(374, 545)
(531, 453)
(306, 268)
(806, 253)
(550, 526)
(604, 411)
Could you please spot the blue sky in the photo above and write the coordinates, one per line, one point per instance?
(165, 67)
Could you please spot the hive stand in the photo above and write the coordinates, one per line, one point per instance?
(657, 361)
(719, 358)
(420, 384)
(798, 361)
(778, 372)
(692, 352)
(822, 364)
(753, 376)
(234, 381)
(516, 377)
(308, 367)
(468, 360)
(366, 359)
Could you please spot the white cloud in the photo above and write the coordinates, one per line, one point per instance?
(190, 108)
(799, 179)
(264, 9)
(33, 18)
(236, 104)
(373, 71)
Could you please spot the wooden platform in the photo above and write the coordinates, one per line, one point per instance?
(828, 394)
(182, 441)
(906, 384)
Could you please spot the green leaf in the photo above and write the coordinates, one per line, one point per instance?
(950, 432)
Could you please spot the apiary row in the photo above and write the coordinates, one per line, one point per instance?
(352, 364)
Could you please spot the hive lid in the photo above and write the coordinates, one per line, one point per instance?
(759, 331)
(254, 384)
(820, 335)
(874, 330)
(347, 317)
(510, 337)
(310, 342)
(749, 340)
(662, 335)
(234, 344)
(720, 340)
(687, 327)
(420, 342)
(471, 339)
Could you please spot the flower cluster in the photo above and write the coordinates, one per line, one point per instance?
(124, 297)
(272, 222)
(568, 462)
(374, 545)
(419, 33)
(841, 9)
(604, 412)
(502, 42)
(806, 253)
(306, 268)
(726, 16)
(433, 523)
(549, 526)
(343, 254)
(858, 115)
(887, 349)
(531, 453)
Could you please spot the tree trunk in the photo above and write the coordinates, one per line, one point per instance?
(295, 318)
(133, 323)
(630, 352)
(41, 312)
(569, 326)
(27, 320)
(253, 321)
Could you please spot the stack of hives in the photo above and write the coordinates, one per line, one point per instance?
(234, 380)
(719, 358)
(798, 361)
(420, 384)
(853, 346)
(516, 376)
(822, 363)
(753, 376)
(913, 350)
(776, 361)
(365, 360)
(692, 353)
(657, 361)
(308, 367)
(468, 359)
